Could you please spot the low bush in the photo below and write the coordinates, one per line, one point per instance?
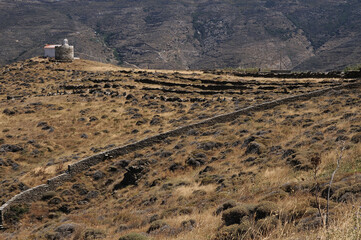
(14, 214)
(234, 215)
(236, 231)
(134, 236)
(156, 225)
(265, 209)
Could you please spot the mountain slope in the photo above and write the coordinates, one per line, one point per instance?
(250, 177)
(188, 34)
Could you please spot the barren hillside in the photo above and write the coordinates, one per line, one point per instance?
(261, 175)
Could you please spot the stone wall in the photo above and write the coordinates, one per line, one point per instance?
(295, 75)
(1, 218)
(34, 194)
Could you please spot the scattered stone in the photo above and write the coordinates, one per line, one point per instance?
(195, 162)
(93, 118)
(236, 143)
(341, 138)
(206, 169)
(14, 165)
(65, 230)
(155, 121)
(247, 141)
(165, 154)
(263, 132)
(122, 163)
(140, 122)
(253, 148)
(158, 225)
(179, 146)
(192, 132)
(65, 209)
(84, 136)
(9, 112)
(122, 228)
(10, 148)
(188, 224)
(154, 218)
(98, 175)
(91, 234)
(356, 138)
(288, 153)
(92, 194)
(135, 131)
(209, 145)
(80, 188)
(44, 126)
(250, 159)
(22, 187)
(129, 97)
(176, 166)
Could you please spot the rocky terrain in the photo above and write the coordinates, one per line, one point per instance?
(263, 175)
(188, 34)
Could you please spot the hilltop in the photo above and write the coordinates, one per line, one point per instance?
(245, 177)
(304, 35)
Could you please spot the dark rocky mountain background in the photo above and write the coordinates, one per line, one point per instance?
(186, 34)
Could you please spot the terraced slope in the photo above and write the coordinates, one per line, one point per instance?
(54, 114)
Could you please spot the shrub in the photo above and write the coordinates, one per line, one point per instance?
(133, 236)
(267, 225)
(16, 212)
(234, 215)
(275, 196)
(156, 225)
(265, 209)
(225, 206)
(235, 231)
(353, 68)
(300, 211)
(356, 188)
(185, 211)
(94, 234)
(188, 224)
(48, 195)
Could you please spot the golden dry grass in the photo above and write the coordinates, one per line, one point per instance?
(186, 193)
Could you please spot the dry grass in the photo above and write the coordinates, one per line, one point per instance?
(185, 193)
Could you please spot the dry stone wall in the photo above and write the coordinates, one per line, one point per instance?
(295, 75)
(36, 193)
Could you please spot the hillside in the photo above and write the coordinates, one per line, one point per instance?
(187, 34)
(246, 177)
